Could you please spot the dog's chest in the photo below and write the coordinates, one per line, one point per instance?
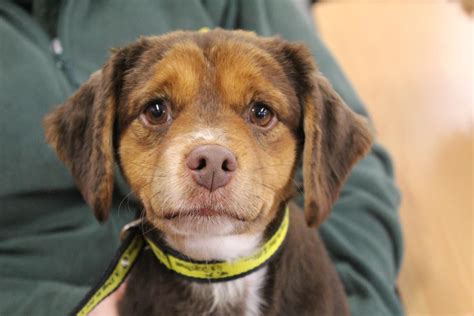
(154, 290)
(244, 295)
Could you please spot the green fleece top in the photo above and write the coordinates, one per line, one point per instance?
(51, 247)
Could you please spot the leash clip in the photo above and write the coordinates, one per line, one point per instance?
(125, 230)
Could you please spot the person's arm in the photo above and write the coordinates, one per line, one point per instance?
(363, 233)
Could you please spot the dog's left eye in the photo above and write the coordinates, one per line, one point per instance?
(262, 115)
(156, 112)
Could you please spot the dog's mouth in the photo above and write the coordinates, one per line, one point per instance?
(200, 213)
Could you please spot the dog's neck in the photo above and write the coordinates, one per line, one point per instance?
(223, 247)
(212, 247)
(245, 291)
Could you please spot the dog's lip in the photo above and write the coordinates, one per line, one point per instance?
(201, 212)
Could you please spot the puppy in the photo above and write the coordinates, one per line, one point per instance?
(208, 130)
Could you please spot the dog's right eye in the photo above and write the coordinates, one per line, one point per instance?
(156, 112)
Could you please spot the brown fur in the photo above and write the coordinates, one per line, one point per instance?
(210, 80)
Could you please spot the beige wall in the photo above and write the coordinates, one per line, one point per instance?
(412, 63)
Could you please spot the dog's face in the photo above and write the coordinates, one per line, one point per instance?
(208, 129)
(210, 141)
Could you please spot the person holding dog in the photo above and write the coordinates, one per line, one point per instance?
(51, 248)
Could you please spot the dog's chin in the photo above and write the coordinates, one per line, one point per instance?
(216, 225)
(203, 219)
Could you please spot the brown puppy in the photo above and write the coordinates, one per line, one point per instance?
(208, 129)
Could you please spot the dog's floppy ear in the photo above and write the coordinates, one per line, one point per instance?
(335, 137)
(81, 130)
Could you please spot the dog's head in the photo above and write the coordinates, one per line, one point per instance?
(208, 128)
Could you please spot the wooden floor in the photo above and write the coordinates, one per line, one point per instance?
(412, 63)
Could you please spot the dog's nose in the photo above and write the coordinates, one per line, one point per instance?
(212, 166)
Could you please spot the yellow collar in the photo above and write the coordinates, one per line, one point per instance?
(217, 271)
(134, 242)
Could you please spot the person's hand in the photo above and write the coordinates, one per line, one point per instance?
(109, 306)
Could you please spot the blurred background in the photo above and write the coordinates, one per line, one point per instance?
(411, 61)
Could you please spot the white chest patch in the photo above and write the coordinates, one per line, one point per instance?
(212, 247)
(246, 291)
